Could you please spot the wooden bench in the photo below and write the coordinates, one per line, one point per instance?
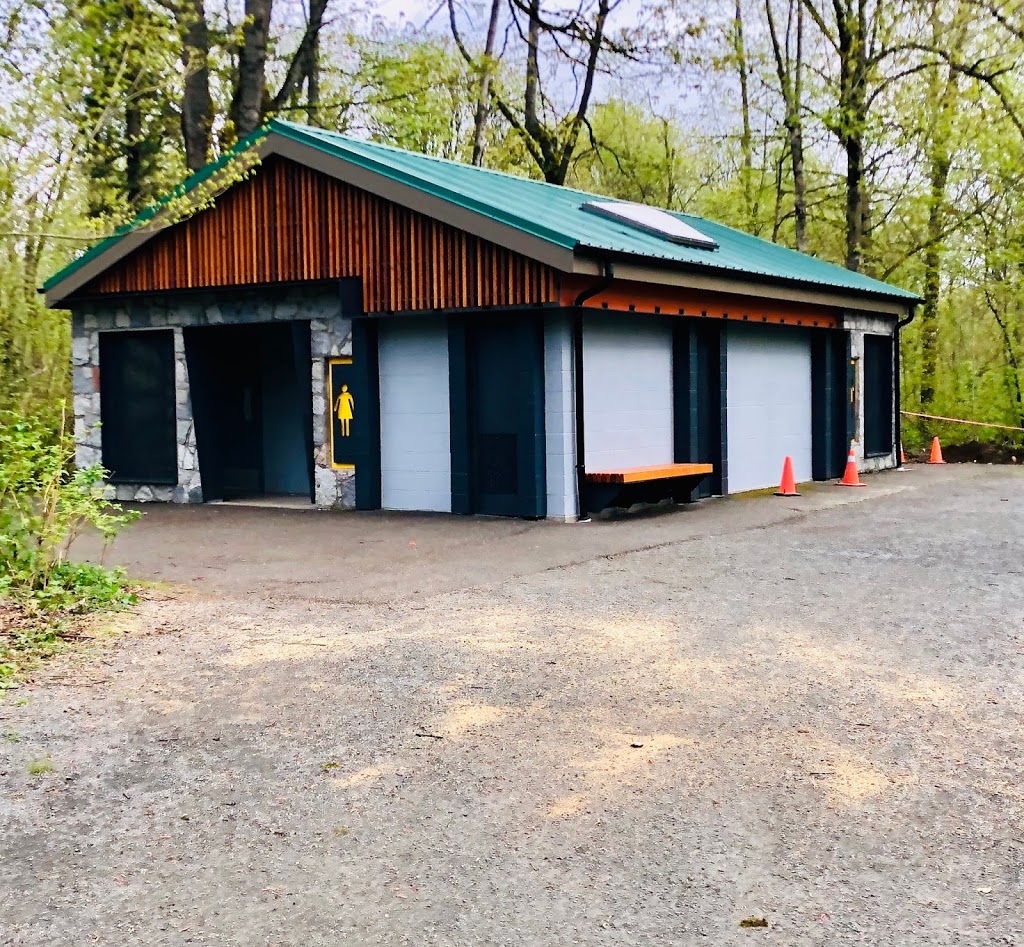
(629, 485)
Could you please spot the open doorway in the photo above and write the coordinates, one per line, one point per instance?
(252, 408)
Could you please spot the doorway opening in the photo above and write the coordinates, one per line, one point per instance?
(252, 408)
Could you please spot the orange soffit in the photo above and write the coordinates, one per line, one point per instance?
(631, 296)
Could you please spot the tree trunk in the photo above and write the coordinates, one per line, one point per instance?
(133, 152)
(746, 136)
(483, 101)
(304, 64)
(795, 130)
(939, 176)
(250, 86)
(196, 105)
(313, 81)
(855, 200)
(790, 75)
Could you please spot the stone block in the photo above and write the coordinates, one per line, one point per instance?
(162, 494)
(214, 316)
(195, 494)
(122, 320)
(86, 456)
(82, 380)
(89, 321)
(144, 494)
(83, 406)
(124, 492)
(326, 484)
(347, 491)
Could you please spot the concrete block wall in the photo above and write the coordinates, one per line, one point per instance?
(859, 324)
(331, 336)
(560, 418)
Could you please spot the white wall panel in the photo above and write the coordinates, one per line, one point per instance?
(415, 427)
(769, 404)
(627, 387)
(559, 417)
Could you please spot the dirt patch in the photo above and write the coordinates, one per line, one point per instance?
(13, 620)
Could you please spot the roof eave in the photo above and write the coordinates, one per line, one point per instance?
(590, 261)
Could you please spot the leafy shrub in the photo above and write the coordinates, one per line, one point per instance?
(45, 504)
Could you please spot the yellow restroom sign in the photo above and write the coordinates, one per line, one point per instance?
(344, 412)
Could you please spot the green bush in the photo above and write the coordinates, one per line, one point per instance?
(45, 504)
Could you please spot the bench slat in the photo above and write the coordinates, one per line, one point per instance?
(643, 474)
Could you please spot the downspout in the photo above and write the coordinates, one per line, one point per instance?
(577, 350)
(897, 383)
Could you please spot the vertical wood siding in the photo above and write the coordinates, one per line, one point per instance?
(289, 224)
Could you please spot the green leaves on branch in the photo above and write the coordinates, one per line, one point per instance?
(45, 505)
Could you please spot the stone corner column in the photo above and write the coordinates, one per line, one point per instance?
(331, 337)
(189, 488)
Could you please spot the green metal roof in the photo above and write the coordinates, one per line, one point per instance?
(555, 214)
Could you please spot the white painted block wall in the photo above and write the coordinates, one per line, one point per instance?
(415, 423)
(627, 391)
(769, 404)
(560, 418)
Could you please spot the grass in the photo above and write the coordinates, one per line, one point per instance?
(40, 766)
(30, 636)
(26, 639)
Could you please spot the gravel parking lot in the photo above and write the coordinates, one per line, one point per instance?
(368, 729)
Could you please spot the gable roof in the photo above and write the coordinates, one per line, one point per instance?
(537, 215)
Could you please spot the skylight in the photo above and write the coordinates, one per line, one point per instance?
(652, 220)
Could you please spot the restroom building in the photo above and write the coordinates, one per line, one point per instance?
(362, 326)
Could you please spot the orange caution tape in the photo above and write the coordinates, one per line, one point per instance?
(938, 417)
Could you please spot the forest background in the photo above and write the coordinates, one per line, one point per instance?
(884, 135)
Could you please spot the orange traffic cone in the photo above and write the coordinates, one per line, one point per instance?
(936, 454)
(787, 488)
(903, 457)
(851, 477)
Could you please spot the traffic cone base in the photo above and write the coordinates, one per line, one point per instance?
(851, 476)
(787, 486)
(936, 454)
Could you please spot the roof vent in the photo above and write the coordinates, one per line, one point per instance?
(652, 220)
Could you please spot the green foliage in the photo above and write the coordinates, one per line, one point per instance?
(419, 96)
(40, 766)
(45, 505)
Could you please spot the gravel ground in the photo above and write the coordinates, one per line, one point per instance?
(802, 710)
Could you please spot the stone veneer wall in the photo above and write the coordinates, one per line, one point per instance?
(859, 324)
(331, 335)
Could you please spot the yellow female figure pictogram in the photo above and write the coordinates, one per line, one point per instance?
(343, 406)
